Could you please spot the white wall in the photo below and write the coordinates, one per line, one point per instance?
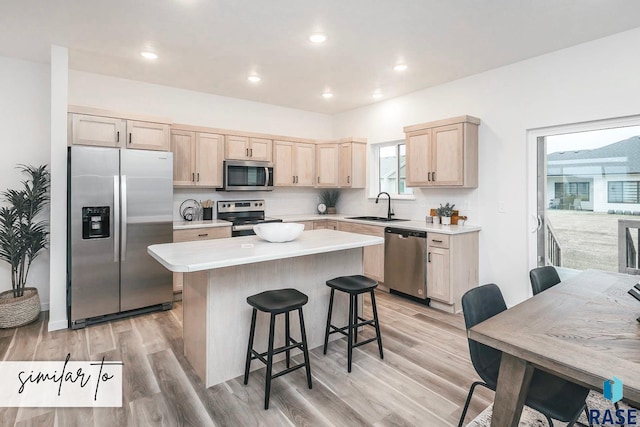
(58, 150)
(194, 108)
(25, 139)
(591, 81)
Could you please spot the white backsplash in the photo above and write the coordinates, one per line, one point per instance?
(280, 201)
(295, 201)
(358, 202)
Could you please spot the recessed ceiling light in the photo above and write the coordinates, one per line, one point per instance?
(400, 67)
(318, 38)
(149, 55)
(327, 95)
(377, 94)
(254, 79)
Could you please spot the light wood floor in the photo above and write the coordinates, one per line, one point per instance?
(422, 381)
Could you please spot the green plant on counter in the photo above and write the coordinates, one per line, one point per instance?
(446, 210)
(22, 238)
(330, 198)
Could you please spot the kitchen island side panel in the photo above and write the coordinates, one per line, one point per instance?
(228, 316)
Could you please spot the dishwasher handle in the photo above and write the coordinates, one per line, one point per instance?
(404, 233)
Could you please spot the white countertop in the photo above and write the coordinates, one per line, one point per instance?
(209, 254)
(184, 225)
(410, 225)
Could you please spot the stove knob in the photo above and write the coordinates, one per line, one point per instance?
(260, 204)
(255, 204)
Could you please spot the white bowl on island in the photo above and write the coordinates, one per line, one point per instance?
(279, 232)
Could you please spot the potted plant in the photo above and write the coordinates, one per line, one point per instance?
(445, 213)
(330, 198)
(22, 239)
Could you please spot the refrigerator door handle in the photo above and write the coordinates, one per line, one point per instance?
(116, 216)
(123, 212)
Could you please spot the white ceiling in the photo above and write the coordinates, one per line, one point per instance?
(213, 45)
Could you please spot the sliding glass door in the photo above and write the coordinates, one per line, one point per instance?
(588, 181)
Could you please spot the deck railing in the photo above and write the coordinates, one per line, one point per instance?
(628, 254)
(554, 255)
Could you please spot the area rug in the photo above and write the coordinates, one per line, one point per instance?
(532, 418)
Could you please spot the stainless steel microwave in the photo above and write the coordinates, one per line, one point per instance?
(246, 175)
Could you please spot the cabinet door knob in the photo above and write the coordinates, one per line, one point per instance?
(436, 241)
(198, 177)
(428, 176)
(429, 257)
(433, 176)
(193, 176)
(130, 138)
(348, 179)
(203, 235)
(118, 136)
(318, 180)
(250, 152)
(246, 150)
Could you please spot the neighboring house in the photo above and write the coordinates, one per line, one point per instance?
(599, 180)
(388, 174)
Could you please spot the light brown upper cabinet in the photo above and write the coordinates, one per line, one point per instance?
(353, 161)
(327, 165)
(197, 158)
(147, 135)
(443, 153)
(94, 130)
(294, 164)
(102, 131)
(247, 148)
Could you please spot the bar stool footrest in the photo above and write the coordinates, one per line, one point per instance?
(260, 356)
(358, 344)
(286, 371)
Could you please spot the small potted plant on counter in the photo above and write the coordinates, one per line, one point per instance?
(22, 238)
(445, 213)
(330, 198)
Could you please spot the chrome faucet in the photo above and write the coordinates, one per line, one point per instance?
(388, 206)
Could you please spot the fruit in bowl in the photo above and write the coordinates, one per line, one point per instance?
(279, 232)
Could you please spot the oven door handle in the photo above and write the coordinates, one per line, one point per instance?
(242, 227)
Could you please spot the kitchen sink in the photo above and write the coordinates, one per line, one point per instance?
(376, 218)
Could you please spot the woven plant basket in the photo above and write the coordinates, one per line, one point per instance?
(19, 311)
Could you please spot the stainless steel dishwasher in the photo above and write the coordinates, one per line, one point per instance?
(405, 256)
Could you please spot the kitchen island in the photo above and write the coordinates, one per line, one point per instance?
(221, 274)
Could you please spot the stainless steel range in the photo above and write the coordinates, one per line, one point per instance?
(244, 214)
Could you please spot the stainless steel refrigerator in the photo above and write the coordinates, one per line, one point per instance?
(119, 203)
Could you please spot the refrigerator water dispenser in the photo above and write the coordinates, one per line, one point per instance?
(95, 222)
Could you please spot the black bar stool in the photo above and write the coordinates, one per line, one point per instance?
(354, 286)
(280, 301)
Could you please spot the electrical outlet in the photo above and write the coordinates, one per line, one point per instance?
(466, 205)
(501, 207)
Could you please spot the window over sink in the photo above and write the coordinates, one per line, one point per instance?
(390, 173)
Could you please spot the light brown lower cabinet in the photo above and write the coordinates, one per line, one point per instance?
(373, 256)
(452, 268)
(308, 225)
(322, 224)
(191, 234)
(325, 224)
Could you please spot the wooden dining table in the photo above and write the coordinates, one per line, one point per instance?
(584, 329)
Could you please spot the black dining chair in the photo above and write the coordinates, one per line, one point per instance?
(542, 278)
(551, 396)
